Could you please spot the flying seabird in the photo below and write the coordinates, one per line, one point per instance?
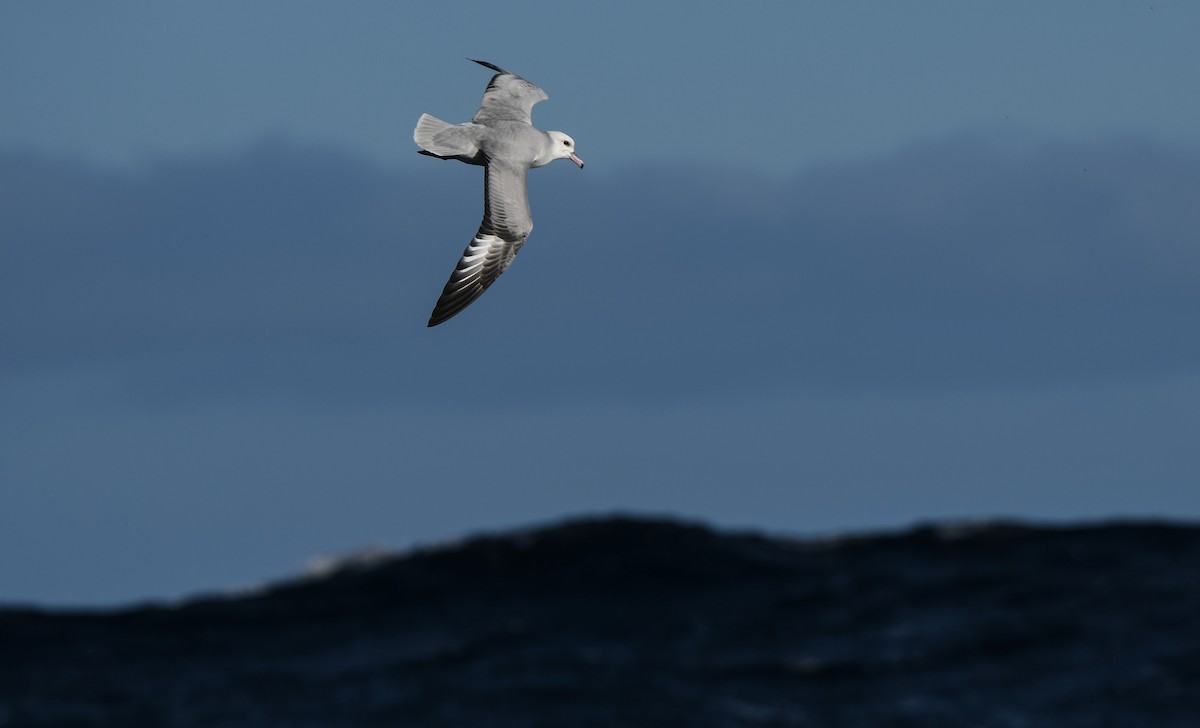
(500, 138)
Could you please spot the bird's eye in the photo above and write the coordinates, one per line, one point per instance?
(566, 143)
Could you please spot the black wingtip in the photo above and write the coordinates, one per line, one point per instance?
(440, 316)
(492, 66)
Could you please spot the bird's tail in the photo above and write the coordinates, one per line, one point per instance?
(443, 139)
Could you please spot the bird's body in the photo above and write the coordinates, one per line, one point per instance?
(502, 139)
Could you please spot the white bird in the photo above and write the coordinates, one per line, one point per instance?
(501, 138)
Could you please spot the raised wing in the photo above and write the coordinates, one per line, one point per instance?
(508, 97)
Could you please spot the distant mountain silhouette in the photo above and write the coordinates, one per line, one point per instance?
(631, 622)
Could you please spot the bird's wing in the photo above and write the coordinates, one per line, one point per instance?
(508, 97)
(506, 223)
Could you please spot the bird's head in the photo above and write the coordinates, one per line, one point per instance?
(564, 147)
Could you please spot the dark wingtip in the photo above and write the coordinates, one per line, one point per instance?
(492, 66)
(442, 312)
(440, 317)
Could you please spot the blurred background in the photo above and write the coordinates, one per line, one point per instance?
(830, 267)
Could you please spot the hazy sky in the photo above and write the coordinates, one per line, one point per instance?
(831, 266)
(766, 85)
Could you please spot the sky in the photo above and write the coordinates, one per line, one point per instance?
(830, 267)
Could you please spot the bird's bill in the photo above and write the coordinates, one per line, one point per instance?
(576, 160)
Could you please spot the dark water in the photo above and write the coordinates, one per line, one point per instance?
(625, 622)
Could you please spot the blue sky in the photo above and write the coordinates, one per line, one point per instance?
(763, 86)
(830, 267)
